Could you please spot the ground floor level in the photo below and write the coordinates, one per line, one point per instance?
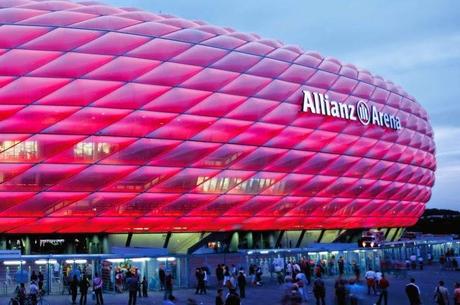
(57, 270)
(271, 292)
(183, 243)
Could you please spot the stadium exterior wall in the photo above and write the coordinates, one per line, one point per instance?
(119, 120)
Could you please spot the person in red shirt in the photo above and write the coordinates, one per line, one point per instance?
(383, 285)
(457, 294)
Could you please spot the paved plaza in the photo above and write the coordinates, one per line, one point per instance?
(271, 293)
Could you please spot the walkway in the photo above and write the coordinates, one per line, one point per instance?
(271, 293)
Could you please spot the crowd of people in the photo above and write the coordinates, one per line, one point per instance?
(299, 281)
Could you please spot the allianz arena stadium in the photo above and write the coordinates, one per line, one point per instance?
(117, 121)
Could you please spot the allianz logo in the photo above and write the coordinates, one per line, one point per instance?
(319, 103)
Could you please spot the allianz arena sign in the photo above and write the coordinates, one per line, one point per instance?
(319, 103)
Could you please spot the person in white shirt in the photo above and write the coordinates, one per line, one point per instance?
(441, 294)
(370, 279)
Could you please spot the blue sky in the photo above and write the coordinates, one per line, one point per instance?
(414, 43)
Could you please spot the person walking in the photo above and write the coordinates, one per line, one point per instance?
(300, 281)
(41, 280)
(33, 292)
(145, 286)
(74, 289)
(370, 280)
(161, 276)
(441, 294)
(340, 291)
(341, 265)
(413, 293)
(319, 291)
(383, 285)
(33, 276)
(133, 283)
(457, 294)
(233, 298)
(242, 284)
(356, 271)
(219, 297)
(84, 285)
(22, 294)
(168, 286)
(198, 275)
(97, 288)
(220, 276)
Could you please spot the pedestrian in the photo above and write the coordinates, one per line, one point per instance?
(441, 294)
(84, 285)
(341, 265)
(319, 291)
(457, 294)
(201, 287)
(420, 262)
(41, 280)
(161, 276)
(118, 281)
(370, 280)
(220, 276)
(205, 278)
(219, 297)
(137, 273)
(33, 277)
(356, 292)
(33, 292)
(228, 280)
(383, 286)
(301, 283)
(413, 293)
(97, 288)
(242, 284)
(145, 286)
(356, 271)
(133, 284)
(168, 286)
(22, 294)
(74, 289)
(233, 298)
(413, 261)
(340, 291)
(295, 298)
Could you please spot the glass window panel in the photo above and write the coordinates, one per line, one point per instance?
(138, 124)
(222, 130)
(185, 154)
(43, 204)
(185, 180)
(141, 151)
(183, 127)
(259, 159)
(94, 204)
(91, 149)
(224, 156)
(41, 176)
(186, 204)
(142, 179)
(223, 182)
(87, 121)
(93, 178)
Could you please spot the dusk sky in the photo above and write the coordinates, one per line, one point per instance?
(415, 44)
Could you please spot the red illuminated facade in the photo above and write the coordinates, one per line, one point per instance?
(119, 120)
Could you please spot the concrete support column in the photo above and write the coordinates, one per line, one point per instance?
(234, 242)
(105, 244)
(26, 245)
